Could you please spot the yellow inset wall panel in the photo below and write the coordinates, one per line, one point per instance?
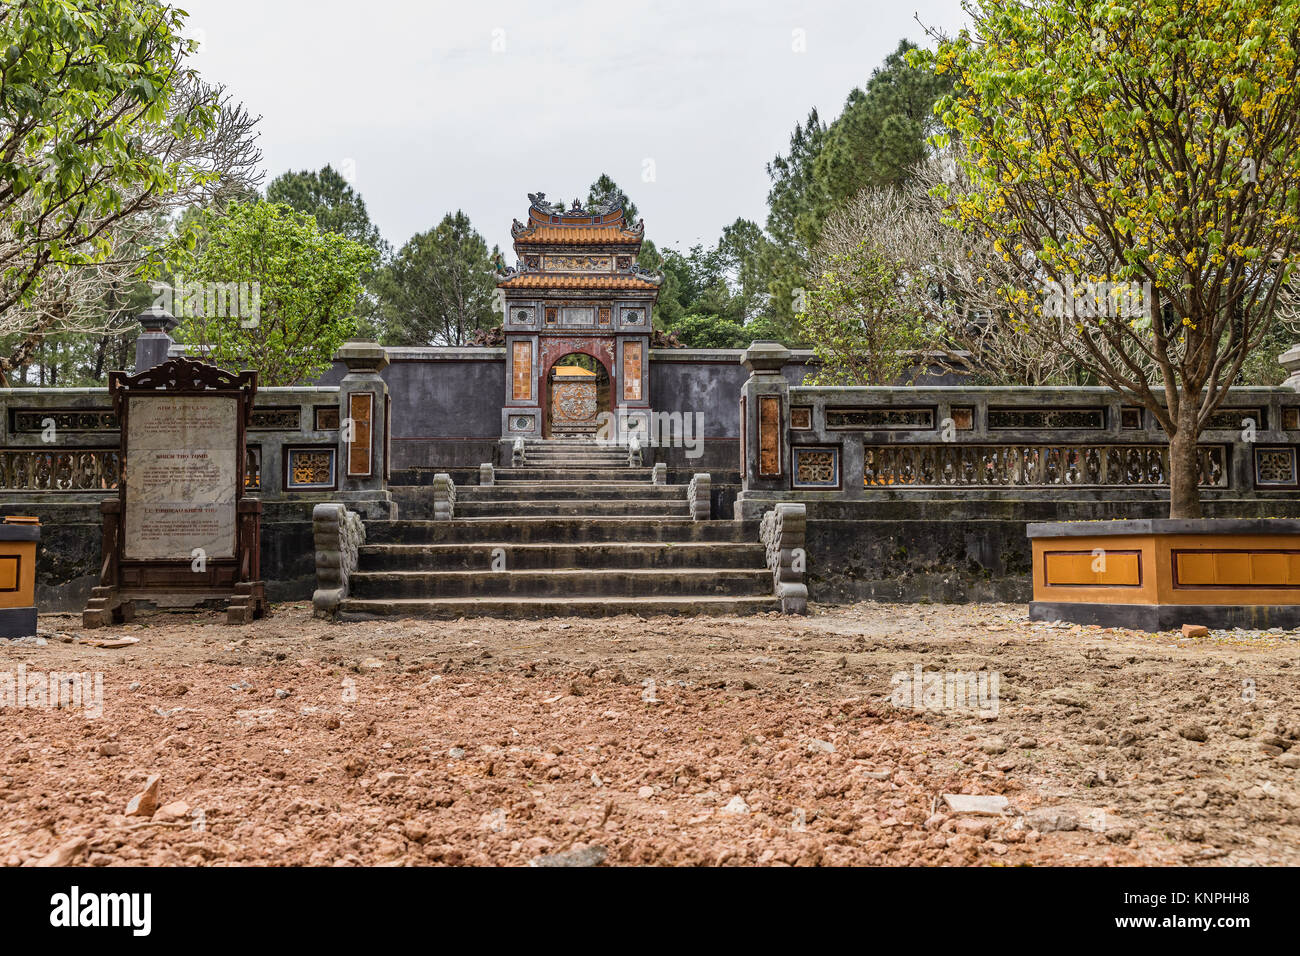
(1232, 569)
(1076, 569)
(1195, 569)
(9, 572)
(1271, 570)
(1238, 569)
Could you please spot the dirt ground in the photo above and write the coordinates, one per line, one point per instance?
(763, 740)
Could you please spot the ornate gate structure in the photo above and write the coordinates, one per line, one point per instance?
(576, 288)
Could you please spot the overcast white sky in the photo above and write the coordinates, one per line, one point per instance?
(435, 106)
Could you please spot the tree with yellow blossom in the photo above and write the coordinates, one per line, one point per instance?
(1138, 167)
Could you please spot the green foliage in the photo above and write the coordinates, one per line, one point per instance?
(704, 288)
(769, 329)
(1261, 366)
(330, 200)
(440, 286)
(86, 97)
(794, 204)
(711, 332)
(308, 286)
(861, 323)
(880, 136)
(669, 307)
(738, 255)
(1148, 143)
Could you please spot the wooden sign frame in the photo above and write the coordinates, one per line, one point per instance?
(176, 581)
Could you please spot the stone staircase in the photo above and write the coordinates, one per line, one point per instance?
(571, 531)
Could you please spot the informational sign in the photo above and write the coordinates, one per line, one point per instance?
(181, 477)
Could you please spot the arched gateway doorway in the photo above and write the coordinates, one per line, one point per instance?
(577, 288)
(577, 392)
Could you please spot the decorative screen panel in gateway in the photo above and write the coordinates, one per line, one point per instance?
(522, 372)
(632, 372)
(576, 263)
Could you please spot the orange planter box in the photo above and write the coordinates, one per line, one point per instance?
(18, 539)
(1158, 574)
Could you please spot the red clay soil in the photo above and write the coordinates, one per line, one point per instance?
(763, 740)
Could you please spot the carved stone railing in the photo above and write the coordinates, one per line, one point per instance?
(444, 497)
(486, 474)
(659, 474)
(519, 453)
(1026, 466)
(699, 497)
(820, 444)
(60, 470)
(782, 531)
(634, 458)
(66, 441)
(339, 534)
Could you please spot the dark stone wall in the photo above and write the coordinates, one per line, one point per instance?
(70, 551)
(957, 545)
(921, 560)
(958, 551)
(940, 550)
(289, 556)
(711, 388)
(446, 399)
(446, 414)
(447, 410)
(68, 555)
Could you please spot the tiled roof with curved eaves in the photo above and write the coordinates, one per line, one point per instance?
(544, 280)
(578, 235)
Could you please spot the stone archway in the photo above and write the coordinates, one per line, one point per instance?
(577, 392)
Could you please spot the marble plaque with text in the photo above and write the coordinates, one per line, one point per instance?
(181, 475)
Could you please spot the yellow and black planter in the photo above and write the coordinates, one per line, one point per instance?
(18, 540)
(1158, 574)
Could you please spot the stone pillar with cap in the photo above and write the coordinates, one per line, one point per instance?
(364, 446)
(764, 427)
(154, 341)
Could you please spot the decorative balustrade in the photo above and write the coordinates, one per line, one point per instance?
(60, 470)
(811, 443)
(1019, 465)
(66, 441)
(85, 469)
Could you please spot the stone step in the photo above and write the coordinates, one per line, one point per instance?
(574, 461)
(576, 444)
(555, 583)
(560, 530)
(572, 444)
(568, 507)
(452, 608)
(596, 491)
(575, 486)
(593, 454)
(573, 474)
(528, 557)
(575, 448)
